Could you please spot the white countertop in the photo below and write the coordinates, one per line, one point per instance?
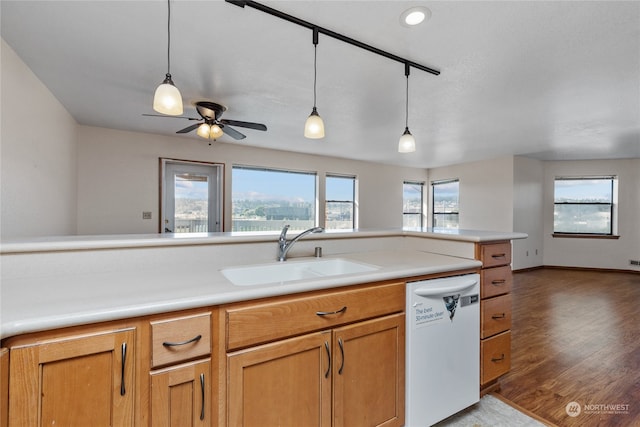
(31, 304)
(65, 243)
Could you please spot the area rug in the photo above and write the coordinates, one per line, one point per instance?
(490, 412)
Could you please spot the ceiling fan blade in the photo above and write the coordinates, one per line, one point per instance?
(172, 117)
(232, 132)
(250, 125)
(189, 128)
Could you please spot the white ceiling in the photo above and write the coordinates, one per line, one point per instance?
(554, 80)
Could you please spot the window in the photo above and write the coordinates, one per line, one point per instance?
(190, 197)
(412, 203)
(445, 204)
(340, 202)
(267, 199)
(584, 205)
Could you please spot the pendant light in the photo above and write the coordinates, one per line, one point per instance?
(314, 126)
(167, 99)
(407, 143)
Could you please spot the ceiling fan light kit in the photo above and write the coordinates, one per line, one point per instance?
(407, 142)
(167, 98)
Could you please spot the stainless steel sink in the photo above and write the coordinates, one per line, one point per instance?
(289, 271)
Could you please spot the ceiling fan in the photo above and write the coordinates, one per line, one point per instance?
(211, 126)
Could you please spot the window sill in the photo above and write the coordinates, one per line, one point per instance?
(585, 236)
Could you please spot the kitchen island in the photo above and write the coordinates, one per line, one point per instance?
(133, 292)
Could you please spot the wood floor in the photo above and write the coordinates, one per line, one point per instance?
(576, 338)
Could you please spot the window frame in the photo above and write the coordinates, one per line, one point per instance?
(421, 213)
(434, 213)
(294, 227)
(611, 234)
(353, 202)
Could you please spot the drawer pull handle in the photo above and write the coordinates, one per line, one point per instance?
(499, 316)
(176, 344)
(326, 347)
(498, 282)
(341, 344)
(202, 388)
(328, 313)
(498, 255)
(123, 390)
(500, 359)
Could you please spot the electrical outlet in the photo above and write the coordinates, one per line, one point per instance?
(527, 253)
(146, 215)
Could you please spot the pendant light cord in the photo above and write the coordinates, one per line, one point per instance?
(168, 36)
(315, 63)
(407, 71)
(406, 114)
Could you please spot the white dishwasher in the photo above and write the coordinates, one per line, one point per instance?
(443, 348)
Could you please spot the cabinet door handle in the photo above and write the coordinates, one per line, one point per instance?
(326, 347)
(123, 390)
(341, 345)
(202, 388)
(500, 359)
(499, 255)
(175, 344)
(499, 316)
(328, 313)
(498, 282)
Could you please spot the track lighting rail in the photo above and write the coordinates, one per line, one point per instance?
(333, 34)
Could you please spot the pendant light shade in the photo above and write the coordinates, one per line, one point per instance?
(314, 126)
(167, 99)
(407, 143)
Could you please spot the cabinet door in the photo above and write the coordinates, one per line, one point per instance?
(4, 387)
(181, 396)
(285, 383)
(368, 373)
(78, 381)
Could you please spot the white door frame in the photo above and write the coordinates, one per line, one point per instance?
(168, 169)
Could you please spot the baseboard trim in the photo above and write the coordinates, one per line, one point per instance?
(563, 267)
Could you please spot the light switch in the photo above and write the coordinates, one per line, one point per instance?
(146, 215)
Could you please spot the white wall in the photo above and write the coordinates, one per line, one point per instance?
(118, 178)
(596, 253)
(486, 193)
(528, 179)
(38, 166)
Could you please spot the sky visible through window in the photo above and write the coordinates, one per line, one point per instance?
(595, 190)
(260, 184)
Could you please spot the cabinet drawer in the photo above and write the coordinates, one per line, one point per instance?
(495, 281)
(254, 323)
(495, 254)
(496, 357)
(180, 338)
(495, 315)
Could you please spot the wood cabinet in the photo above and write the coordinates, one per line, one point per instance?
(495, 312)
(4, 387)
(181, 393)
(77, 380)
(340, 363)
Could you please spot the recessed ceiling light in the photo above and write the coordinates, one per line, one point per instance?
(414, 16)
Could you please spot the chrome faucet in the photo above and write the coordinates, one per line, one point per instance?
(284, 246)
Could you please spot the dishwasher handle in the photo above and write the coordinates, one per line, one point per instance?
(459, 286)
